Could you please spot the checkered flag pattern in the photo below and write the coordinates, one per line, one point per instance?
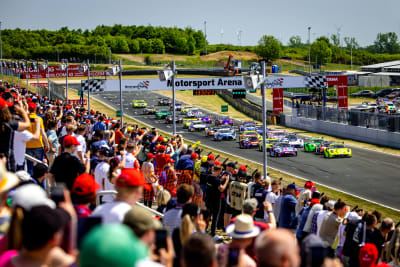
(315, 81)
(95, 85)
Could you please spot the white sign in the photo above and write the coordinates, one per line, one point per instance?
(286, 82)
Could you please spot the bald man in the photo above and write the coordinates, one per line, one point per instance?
(277, 248)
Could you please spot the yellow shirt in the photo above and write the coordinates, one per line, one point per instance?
(32, 129)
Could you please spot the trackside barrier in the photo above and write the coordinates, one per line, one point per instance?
(35, 160)
(113, 192)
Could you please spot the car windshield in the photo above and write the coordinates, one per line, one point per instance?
(278, 134)
(163, 110)
(252, 138)
(140, 101)
(224, 131)
(291, 138)
(338, 146)
(197, 122)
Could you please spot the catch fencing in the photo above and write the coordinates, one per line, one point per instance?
(373, 120)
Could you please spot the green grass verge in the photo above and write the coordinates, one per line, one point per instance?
(351, 200)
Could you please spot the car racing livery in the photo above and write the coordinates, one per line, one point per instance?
(187, 122)
(162, 113)
(211, 131)
(249, 141)
(337, 150)
(206, 119)
(293, 140)
(139, 103)
(269, 142)
(149, 110)
(278, 134)
(247, 126)
(312, 143)
(169, 119)
(320, 149)
(164, 102)
(282, 149)
(197, 126)
(225, 134)
(224, 120)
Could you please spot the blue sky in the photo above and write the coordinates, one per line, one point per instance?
(361, 19)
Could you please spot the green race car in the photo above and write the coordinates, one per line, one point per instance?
(337, 150)
(312, 144)
(162, 113)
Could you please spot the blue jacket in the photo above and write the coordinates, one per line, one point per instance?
(185, 163)
(287, 217)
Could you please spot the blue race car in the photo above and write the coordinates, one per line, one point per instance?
(247, 126)
(225, 134)
(206, 119)
(224, 120)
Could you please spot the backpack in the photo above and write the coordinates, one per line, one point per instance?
(260, 195)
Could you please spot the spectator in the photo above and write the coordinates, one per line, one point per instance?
(69, 132)
(101, 173)
(277, 248)
(277, 205)
(99, 125)
(143, 225)
(185, 166)
(111, 245)
(149, 178)
(130, 157)
(36, 148)
(67, 167)
(40, 172)
(304, 197)
(81, 149)
(53, 141)
(287, 215)
(254, 186)
(328, 207)
(237, 193)
(129, 186)
(84, 193)
(7, 129)
(199, 251)
(20, 139)
(7, 181)
(172, 218)
(167, 178)
(393, 248)
(263, 195)
(163, 197)
(243, 231)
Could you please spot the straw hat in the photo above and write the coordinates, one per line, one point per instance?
(242, 228)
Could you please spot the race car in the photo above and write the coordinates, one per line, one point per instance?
(178, 107)
(149, 110)
(139, 103)
(269, 142)
(206, 119)
(185, 109)
(293, 140)
(278, 134)
(197, 126)
(225, 134)
(312, 143)
(211, 131)
(337, 150)
(224, 120)
(249, 142)
(247, 126)
(259, 130)
(194, 113)
(282, 149)
(320, 149)
(164, 101)
(162, 113)
(187, 122)
(169, 119)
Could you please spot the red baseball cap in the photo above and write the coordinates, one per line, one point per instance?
(131, 177)
(217, 163)
(161, 148)
(4, 103)
(160, 138)
(70, 140)
(92, 112)
(84, 185)
(243, 168)
(368, 255)
(150, 155)
(308, 185)
(32, 107)
(194, 156)
(314, 201)
(210, 157)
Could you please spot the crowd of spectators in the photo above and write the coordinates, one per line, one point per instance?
(167, 204)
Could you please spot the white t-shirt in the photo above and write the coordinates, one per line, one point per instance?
(320, 218)
(101, 177)
(113, 212)
(81, 147)
(20, 139)
(129, 160)
(271, 198)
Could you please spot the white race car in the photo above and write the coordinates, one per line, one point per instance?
(197, 126)
(293, 140)
(225, 133)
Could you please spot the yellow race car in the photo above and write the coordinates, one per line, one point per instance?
(187, 122)
(185, 109)
(139, 103)
(337, 150)
(269, 142)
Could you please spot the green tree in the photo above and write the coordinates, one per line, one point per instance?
(321, 52)
(335, 40)
(191, 45)
(386, 43)
(121, 45)
(134, 46)
(269, 48)
(295, 42)
(351, 42)
(157, 46)
(181, 45)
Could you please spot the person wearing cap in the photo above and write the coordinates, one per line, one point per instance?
(328, 208)
(37, 148)
(185, 166)
(287, 215)
(207, 162)
(304, 197)
(67, 167)
(198, 193)
(102, 172)
(53, 141)
(144, 226)
(83, 194)
(167, 178)
(129, 186)
(242, 231)
(7, 128)
(111, 245)
(130, 157)
(237, 192)
(149, 178)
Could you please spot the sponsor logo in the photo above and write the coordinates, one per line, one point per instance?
(141, 85)
(274, 83)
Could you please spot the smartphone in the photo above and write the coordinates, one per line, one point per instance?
(161, 239)
(233, 256)
(57, 193)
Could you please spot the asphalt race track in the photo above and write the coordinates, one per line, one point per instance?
(368, 174)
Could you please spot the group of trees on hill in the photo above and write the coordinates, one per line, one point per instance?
(96, 44)
(66, 43)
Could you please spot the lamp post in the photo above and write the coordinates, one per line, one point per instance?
(309, 51)
(166, 74)
(114, 70)
(86, 67)
(1, 55)
(45, 66)
(64, 66)
(205, 37)
(37, 86)
(264, 121)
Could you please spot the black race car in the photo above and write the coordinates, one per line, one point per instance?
(164, 101)
(169, 120)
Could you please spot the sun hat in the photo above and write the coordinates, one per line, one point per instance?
(31, 195)
(7, 179)
(70, 140)
(131, 177)
(111, 245)
(242, 228)
(140, 220)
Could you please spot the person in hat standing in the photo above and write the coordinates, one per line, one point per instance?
(185, 166)
(167, 178)
(242, 232)
(83, 194)
(304, 197)
(149, 178)
(287, 215)
(101, 172)
(129, 186)
(7, 128)
(67, 167)
(237, 191)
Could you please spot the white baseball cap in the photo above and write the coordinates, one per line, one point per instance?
(31, 195)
